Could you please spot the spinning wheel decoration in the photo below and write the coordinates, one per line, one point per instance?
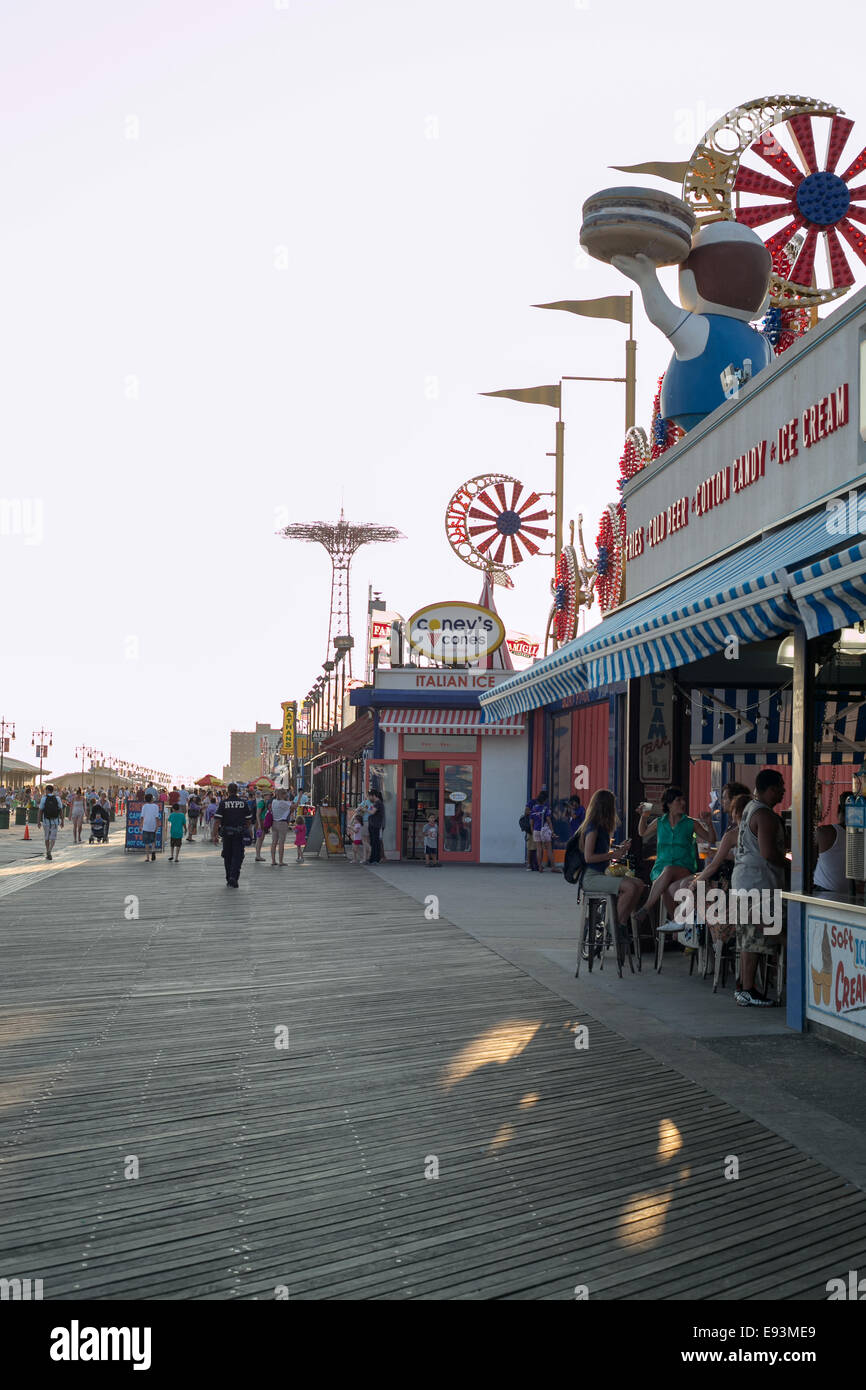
(492, 526)
(803, 194)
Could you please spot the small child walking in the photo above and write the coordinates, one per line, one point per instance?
(357, 840)
(300, 837)
(176, 825)
(431, 840)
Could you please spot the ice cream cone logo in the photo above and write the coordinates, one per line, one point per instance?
(822, 969)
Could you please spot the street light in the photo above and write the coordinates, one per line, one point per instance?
(328, 667)
(342, 647)
(41, 746)
(617, 307)
(7, 733)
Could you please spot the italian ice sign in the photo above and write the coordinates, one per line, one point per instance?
(836, 973)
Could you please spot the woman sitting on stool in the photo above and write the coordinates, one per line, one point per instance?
(599, 825)
(676, 848)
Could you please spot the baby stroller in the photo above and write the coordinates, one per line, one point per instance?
(98, 830)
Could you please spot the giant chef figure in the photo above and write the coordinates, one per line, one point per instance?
(723, 283)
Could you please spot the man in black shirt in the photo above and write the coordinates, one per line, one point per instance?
(376, 824)
(232, 819)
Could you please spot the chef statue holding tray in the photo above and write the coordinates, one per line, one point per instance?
(724, 279)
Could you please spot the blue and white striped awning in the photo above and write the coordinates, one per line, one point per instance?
(747, 595)
(831, 593)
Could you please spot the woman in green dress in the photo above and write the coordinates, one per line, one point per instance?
(676, 847)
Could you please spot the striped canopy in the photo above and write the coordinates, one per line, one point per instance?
(831, 593)
(752, 595)
(446, 721)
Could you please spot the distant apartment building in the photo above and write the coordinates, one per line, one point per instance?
(248, 749)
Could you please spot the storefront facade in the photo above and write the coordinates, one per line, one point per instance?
(747, 534)
(436, 752)
(576, 746)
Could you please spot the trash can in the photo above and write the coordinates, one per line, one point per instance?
(4, 818)
(20, 815)
(32, 814)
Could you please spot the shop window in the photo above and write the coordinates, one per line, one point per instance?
(458, 808)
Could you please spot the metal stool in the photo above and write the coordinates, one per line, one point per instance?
(773, 962)
(587, 932)
(724, 953)
(663, 928)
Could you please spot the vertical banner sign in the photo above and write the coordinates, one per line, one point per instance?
(290, 711)
(656, 723)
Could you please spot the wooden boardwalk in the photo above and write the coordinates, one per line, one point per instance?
(265, 1170)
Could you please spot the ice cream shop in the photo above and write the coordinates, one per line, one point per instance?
(731, 573)
(436, 752)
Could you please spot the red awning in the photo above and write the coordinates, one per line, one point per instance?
(446, 721)
(350, 742)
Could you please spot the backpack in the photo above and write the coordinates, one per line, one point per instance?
(525, 823)
(574, 862)
(51, 809)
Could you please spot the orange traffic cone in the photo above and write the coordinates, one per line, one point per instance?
(26, 831)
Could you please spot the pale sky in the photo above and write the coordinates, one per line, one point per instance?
(259, 259)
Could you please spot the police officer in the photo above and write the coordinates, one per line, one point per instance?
(232, 819)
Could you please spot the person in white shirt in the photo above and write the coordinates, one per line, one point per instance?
(184, 797)
(151, 817)
(281, 810)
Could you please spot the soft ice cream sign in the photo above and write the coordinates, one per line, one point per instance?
(836, 973)
(455, 633)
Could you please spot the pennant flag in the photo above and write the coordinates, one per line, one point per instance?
(610, 306)
(662, 169)
(531, 395)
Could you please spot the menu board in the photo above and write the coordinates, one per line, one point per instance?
(325, 830)
(134, 839)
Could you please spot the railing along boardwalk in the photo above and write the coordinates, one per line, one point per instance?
(266, 1171)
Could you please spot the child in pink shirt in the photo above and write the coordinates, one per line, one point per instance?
(357, 840)
(300, 837)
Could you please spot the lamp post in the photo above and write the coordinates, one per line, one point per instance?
(41, 746)
(7, 734)
(342, 647)
(619, 307)
(328, 667)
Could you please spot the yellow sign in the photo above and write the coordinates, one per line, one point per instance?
(331, 828)
(302, 746)
(290, 710)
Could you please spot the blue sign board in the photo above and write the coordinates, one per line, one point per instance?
(134, 839)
